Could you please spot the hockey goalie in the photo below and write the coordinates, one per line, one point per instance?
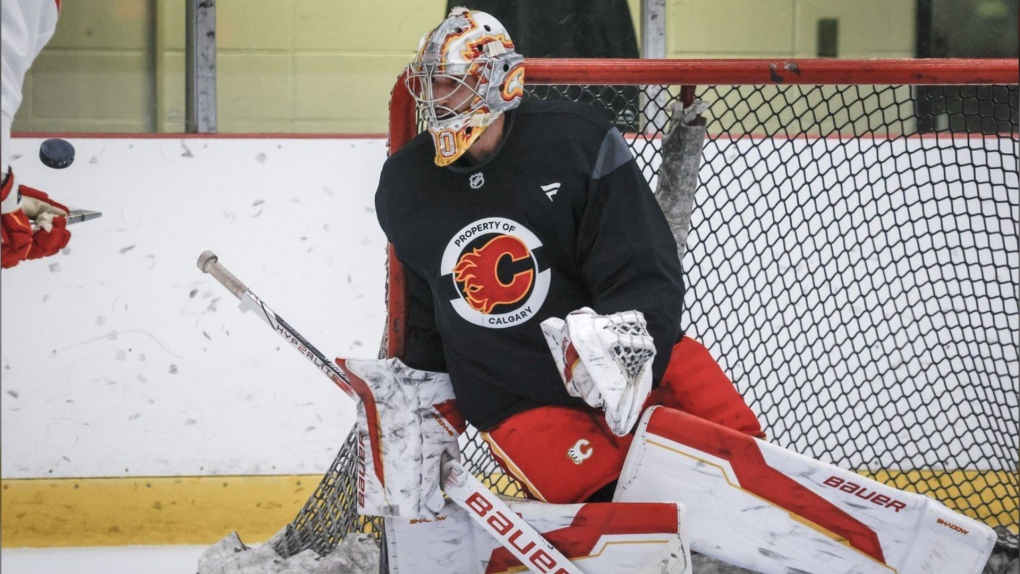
(544, 298)
(525, 227)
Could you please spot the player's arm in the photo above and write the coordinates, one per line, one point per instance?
(35, 226)
(611, 355)
(31, 223)
(27, 26)
(626, 252)
(423, 347)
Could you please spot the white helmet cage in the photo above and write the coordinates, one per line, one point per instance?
(469, 43)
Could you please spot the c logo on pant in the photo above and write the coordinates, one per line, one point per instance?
(581, 451)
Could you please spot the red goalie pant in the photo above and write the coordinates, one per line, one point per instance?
(563, 455)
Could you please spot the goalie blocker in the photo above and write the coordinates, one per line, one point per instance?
(774, 511)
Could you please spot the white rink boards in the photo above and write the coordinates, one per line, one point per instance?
(121, 359)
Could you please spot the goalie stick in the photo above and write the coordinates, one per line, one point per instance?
(495, 517)
(502, 523)
(209, 263)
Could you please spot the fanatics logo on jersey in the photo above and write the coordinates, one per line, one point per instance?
(476, 180)
(580, 452)
(495, 272)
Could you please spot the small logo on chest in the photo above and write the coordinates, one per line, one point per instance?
(476, 180)
(551, 189)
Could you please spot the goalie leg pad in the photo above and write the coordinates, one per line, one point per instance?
(603, 538)
(772, 510)
(406, 421)
(559, 454)
(696, 384)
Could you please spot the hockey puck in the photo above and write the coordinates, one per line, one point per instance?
(56, 153)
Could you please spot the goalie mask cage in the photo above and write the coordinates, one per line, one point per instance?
(852, 261)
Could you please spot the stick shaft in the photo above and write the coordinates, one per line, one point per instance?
(466, 490)
(512, 532)
(209, 263)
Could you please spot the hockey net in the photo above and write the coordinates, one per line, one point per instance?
(852, 261)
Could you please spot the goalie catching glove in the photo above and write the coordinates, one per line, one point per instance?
(605, 360)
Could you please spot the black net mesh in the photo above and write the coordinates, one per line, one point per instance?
(331, 512)
(853, 263)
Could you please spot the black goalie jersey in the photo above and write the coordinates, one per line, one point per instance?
(558, 219)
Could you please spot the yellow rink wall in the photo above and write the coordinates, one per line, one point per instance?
(202, 510)
(148, 511)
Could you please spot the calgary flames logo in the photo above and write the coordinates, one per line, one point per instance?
(580, 452)
(478, 271)
(495, 272)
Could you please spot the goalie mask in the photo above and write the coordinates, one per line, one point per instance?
(466, 74)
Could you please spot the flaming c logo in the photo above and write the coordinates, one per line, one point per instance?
(581, 451)
(513, 85)
(495, 272)
(478, 272)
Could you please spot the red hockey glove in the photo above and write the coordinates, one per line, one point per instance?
(21, 239)
(16, 240)
(51, 234)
